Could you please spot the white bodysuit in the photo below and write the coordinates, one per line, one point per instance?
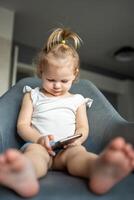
(55, 115)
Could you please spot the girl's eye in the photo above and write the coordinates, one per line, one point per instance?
(64, 81)
(50, 80)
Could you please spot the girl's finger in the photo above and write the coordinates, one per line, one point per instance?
(51, 137)
(51, 152)
(47, 143)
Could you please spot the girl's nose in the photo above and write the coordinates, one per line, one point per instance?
(57, 85)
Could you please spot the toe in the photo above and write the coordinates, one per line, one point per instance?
(117, 143)
(129, 150)
(2, 159)
(12, 155)
(15, 159)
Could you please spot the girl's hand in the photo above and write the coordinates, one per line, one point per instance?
(45, 142)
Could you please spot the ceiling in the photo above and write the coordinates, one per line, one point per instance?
(104, 26)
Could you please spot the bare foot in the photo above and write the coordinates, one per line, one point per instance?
(111, 166)
(17, 173)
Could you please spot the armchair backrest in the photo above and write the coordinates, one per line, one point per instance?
(103, 118)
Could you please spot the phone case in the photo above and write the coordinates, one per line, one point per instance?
(61, 143)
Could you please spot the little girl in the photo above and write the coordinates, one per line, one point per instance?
(50, 113)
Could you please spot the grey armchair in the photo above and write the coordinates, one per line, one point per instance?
(105, 124)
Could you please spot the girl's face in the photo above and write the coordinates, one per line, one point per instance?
(57, 77)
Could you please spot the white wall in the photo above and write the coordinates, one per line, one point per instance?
(6, 34)
(123, 88)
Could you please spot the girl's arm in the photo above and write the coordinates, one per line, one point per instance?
(24, 128)
(26, 131)
(82, 123)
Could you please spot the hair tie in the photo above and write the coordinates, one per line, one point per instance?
(63, 42)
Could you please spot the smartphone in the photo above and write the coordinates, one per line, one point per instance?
(61, 143)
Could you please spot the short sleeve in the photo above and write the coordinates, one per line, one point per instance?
(88, 102)
(33, 93)
(27, 89)
(81, 100)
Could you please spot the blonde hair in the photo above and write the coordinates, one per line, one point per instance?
(59, 45)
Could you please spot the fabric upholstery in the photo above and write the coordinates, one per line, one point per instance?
(105, 123)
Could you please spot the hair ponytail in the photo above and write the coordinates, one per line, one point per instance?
(62, 36)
